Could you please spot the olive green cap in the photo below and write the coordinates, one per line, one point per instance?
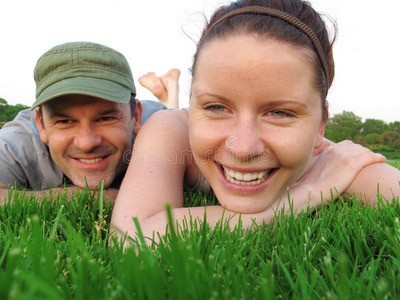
(83, 68)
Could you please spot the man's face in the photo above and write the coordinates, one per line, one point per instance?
(88, 138)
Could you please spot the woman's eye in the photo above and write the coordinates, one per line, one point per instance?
(279, 113)
(215, 108)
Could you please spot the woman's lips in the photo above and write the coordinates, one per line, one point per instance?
(246, 178)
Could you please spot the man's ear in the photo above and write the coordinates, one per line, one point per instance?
(40, 124)
(137, 117)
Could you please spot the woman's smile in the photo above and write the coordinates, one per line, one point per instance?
(246, 178)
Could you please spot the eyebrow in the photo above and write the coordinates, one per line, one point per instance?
(280, 102)
(56, 114)
(270, 103)
(59, 114)
(110, 112)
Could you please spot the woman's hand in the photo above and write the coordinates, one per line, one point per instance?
(334, 167)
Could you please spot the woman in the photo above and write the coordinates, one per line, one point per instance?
(257, 114)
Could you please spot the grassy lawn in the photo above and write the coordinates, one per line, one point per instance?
(58, 249)
(395, 163)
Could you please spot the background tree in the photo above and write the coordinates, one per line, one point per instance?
(343, 126)
(394, 126)
(373, 139)
(373, 133)
(391, 138)
(8, 112)
(374, 126)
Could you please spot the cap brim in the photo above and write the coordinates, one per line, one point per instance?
(94, 87)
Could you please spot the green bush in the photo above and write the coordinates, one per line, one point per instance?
(8, 112)
(390, 153)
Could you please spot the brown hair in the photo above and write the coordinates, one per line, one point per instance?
(269, 26)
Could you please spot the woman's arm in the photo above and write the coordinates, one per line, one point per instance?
(365, 186)
(155, 174)
(363, 168)
(339, 168)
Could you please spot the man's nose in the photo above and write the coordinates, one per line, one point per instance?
(87, 137)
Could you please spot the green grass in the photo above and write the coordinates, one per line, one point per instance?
(395, 163)
(58, 249)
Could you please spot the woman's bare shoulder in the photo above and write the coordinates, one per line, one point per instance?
(171, 113)
(165, 121)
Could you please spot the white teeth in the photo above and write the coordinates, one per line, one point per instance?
(239, 176)
(90, 161)
(246, 178)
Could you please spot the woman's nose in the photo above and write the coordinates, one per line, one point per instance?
(245, 140)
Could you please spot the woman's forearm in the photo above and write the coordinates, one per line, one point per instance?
(157, 224)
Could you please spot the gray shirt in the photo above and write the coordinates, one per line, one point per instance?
(25, 160)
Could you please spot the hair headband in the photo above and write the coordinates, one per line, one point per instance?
(288, 18)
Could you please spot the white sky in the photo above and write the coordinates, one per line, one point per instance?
(151, 36)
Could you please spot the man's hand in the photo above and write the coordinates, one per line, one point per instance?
(109, 194)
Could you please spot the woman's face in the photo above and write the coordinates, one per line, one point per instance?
(255, 118)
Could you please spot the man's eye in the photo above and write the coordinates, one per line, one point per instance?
(106, 119)
(64, 121)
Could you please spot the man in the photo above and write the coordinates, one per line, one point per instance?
(81, 128)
